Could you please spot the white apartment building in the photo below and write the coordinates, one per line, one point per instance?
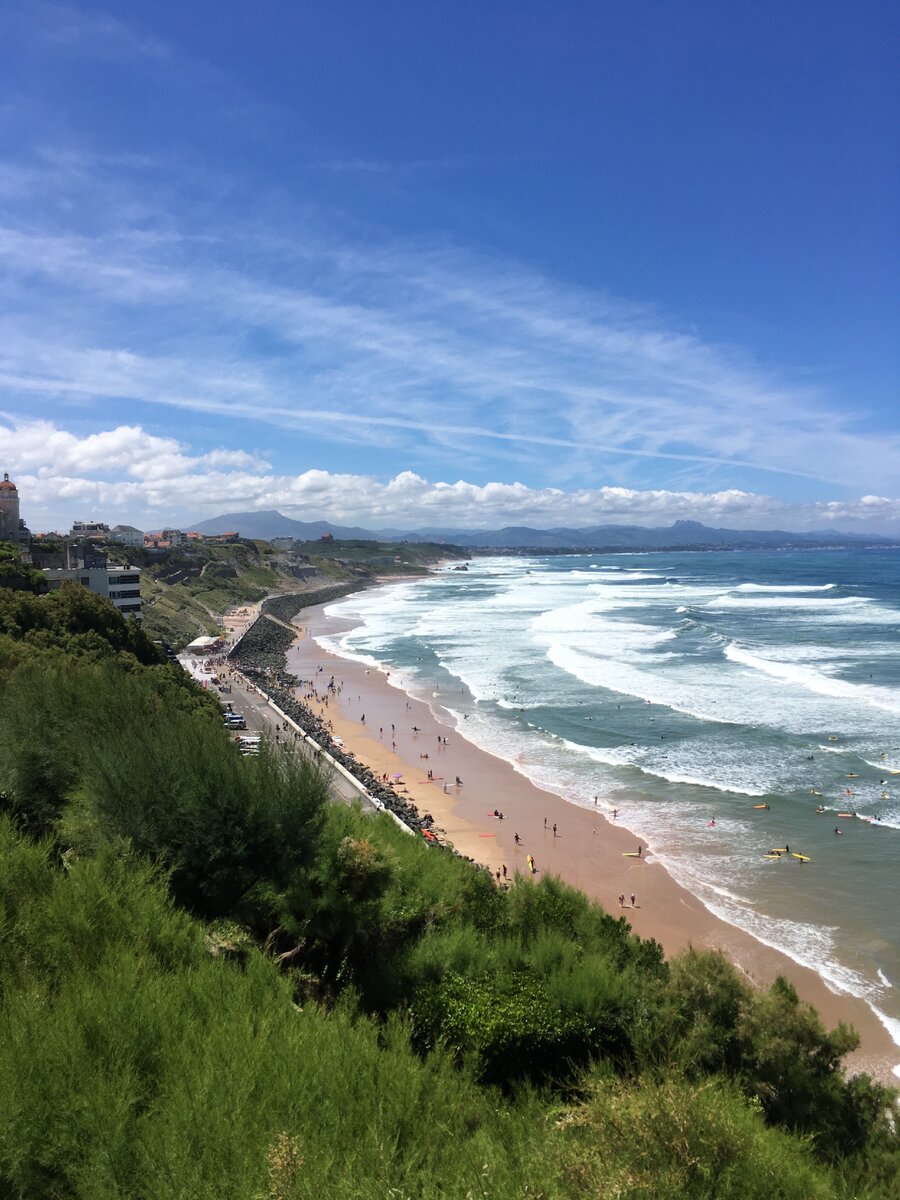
(121, 585)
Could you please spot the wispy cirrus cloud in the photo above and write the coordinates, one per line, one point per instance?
(422, 352)
(91, 32)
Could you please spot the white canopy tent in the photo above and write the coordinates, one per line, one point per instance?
(201, 644)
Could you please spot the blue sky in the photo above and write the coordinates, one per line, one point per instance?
(452, 264)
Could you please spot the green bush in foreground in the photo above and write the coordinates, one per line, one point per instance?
(143, 1054)
(685, 1142)
(132, 1064)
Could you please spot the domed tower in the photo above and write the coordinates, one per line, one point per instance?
(12, 527)
(9, 510)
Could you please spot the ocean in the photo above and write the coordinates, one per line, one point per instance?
(684, 689)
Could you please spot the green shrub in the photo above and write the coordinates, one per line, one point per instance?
(511, 1030)
(676, 1141)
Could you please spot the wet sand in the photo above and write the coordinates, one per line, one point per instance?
(588, 850)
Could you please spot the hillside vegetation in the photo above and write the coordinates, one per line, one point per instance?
(216, 984)
(186, 590)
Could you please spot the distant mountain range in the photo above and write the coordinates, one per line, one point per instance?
(681, 535)
(269, 523)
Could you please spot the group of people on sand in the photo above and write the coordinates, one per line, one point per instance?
(334, 688)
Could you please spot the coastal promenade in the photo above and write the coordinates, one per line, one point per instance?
(261, 713)
(273, 711)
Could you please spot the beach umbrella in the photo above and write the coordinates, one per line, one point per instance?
(398, 775)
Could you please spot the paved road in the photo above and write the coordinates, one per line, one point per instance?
(261, 718)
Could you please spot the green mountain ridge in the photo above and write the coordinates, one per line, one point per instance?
(680, 535)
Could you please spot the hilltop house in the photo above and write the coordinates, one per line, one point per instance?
(126, 535)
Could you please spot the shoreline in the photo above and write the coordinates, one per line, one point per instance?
(589, 850)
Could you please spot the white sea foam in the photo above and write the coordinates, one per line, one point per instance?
(815, 681)
(885, 820)
(782, 587)
(886, 765)
(892, 1025)
(613, 634)
(621, 577)
(641, 758)
(727, 600)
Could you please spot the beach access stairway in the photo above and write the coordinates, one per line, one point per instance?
(278, 621)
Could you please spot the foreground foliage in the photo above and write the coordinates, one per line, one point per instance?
(132, 1063)
(215, 983)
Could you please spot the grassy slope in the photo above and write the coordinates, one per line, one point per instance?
(180, 611)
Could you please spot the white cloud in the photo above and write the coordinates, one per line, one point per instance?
(426, 349)
(41, 448)
(126, 474)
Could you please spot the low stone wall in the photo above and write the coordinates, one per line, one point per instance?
(287, 607)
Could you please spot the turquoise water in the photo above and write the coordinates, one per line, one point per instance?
(685, 688)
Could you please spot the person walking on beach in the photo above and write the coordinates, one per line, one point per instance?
(633, 900)
(545, 822)
(622, 900)
(517, 839)
(554, 829)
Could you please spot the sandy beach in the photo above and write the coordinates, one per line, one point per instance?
(396, 734)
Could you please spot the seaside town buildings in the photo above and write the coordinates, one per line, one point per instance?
(120, 585)
(75, 558)
(89, 529)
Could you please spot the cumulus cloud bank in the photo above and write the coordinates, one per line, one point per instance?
(126, 474)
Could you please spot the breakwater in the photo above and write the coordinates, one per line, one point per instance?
(260, 656)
